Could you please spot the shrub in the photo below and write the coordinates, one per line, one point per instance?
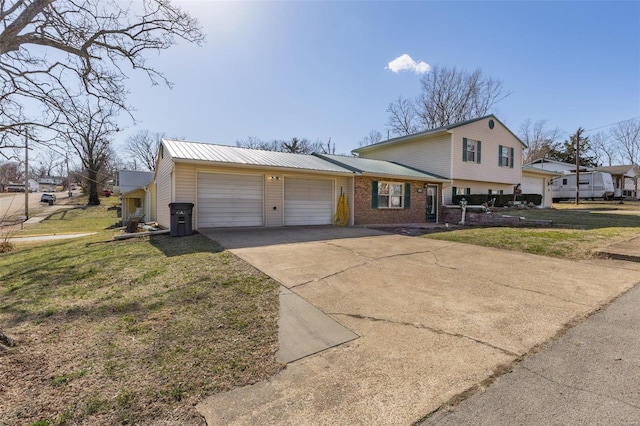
(502, 200)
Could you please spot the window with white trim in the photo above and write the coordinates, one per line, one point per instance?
(390, 195)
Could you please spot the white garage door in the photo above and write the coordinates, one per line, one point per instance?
(226, 200)
(532, 185)
(308, 201)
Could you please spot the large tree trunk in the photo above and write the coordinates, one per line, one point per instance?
(92, 176)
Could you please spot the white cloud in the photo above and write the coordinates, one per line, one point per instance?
(406, 63)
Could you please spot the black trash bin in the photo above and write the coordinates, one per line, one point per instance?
(181, 219)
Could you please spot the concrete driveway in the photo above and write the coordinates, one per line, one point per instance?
(434, 319)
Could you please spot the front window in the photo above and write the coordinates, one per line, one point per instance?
(390, 195)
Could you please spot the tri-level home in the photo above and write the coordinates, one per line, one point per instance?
(477, 156)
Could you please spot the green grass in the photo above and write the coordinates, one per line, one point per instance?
(127, 331)
(576, 230)
(75, 219)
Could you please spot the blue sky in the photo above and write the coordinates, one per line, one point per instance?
(275, 70)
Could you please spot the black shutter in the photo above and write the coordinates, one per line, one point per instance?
(500, 155)
(478, 146)
(374, 194)
(464, 149)
(511, 155)
(407, 195)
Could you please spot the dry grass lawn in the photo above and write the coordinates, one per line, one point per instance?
(576, 230)
(129, 332)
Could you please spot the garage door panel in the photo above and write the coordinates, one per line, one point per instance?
(226, 200)
(308, 201)
(532, 185)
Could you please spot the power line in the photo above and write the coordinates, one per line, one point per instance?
(612, 124)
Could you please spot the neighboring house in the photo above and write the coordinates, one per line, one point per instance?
(556, 166)
(477, 156)
(539, 181)
(625, 179)
(137, 194)
(231, 186)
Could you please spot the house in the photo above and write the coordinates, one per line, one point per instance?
(625, 179)
(556, 166)
(232, 186)
(477, 156)
(137, 194)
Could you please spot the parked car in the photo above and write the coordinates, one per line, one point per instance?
(73, 187)
(48, 198)
(107, 193)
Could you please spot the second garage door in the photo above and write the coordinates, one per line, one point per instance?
(308, 201)
(226, 200)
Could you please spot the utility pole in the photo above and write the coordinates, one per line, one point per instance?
(26, 174)
(578, 165)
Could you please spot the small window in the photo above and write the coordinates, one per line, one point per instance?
(504, 156)
(471, 150)
(390, 195)
(564, 181)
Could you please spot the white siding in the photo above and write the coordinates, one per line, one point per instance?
(163, 189)
(230, 200)
(536, 184)
(430, 154)
(273, 199)
(488, 170)
(308, 201)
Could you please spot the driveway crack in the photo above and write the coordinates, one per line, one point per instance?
(538, 292)
(628, 404)
(425, 327)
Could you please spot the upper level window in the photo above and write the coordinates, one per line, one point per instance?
(471, 150)
(390, 195)
(505, 156)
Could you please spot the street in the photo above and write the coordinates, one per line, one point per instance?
(12, 204)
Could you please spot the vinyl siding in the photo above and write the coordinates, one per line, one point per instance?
(273, 199)
(163, 190)
(536, 184)
(429, 154)
(488, 170)
(185, 188)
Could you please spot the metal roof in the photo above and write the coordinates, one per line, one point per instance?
(379, 167)
(443, 129)
(199, 151)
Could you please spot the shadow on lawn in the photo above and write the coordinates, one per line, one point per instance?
(178, 246)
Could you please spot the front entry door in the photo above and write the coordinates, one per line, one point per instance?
(432, 203)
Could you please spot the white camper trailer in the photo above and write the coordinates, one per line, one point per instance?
(592, 185)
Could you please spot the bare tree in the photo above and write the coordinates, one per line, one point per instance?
(89, 125)
(47, 46)
(256, 143)
(374, 136)
(626, 135)
(604, 148)
(450, 95)
(143, 147)
(541, 141)
(294, 145)
(402, 117)
(45, 162)
(329, 148)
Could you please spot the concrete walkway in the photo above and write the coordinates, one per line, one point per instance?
(624, 250)
(434, 319)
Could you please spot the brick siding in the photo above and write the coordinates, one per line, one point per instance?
(364, 214)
